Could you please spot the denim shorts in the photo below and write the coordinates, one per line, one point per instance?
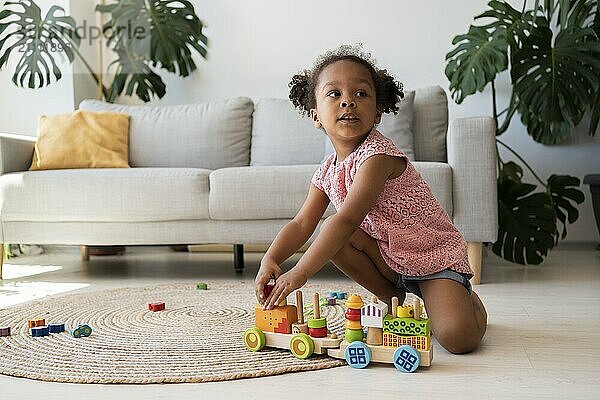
(410, 283)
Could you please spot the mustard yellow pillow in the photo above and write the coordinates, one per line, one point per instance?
(82, 139)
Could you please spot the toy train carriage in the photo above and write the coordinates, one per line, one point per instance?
(402, 339)
(283, 327)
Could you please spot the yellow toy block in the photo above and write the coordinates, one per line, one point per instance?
(418, 342)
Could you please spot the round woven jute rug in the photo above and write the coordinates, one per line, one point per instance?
(197, 338)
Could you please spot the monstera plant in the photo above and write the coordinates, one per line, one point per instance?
(144, 36)
(552, 53)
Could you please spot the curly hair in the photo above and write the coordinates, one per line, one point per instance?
(388, 91)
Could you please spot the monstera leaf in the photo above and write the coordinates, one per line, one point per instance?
(563, 190)
(133, 75)
(39, 41)
(527, 221)
(554, 84)
(163, 33)
(476, 60)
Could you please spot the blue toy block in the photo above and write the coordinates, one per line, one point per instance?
(39, 331)
(56, 328)
(406, 358)
(357, 355)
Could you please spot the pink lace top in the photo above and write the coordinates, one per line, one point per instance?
(415, 234)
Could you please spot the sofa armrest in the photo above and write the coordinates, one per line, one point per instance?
(16, 152)
(472, 156)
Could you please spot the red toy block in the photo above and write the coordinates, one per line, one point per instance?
(267, 289)
(317, 332)
(352, 314)
(156, 306)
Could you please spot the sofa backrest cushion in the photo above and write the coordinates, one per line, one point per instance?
(280, 136)
(209, 135)
(430, 124)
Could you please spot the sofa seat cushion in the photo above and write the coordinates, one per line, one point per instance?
(105, 195)
(276, 192)
(266, 192)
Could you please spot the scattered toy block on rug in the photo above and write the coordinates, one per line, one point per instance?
(156, 306)
(83, 330)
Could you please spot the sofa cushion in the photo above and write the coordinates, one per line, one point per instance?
(186, 135)
(281, 136)
(259, 192)
(82, 139)
(274, 192)
(430, 124)
(128, 195)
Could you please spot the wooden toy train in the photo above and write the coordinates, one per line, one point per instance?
(402, 338)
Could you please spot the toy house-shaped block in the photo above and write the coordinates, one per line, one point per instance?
(371, 315)
(277, 320)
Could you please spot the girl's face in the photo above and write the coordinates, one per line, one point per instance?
(346, 101)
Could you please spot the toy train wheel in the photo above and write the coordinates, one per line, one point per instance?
(406, 358)
(302, 346)
(254, 339)
(357, 355)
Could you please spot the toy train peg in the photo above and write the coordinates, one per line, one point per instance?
(401, 338)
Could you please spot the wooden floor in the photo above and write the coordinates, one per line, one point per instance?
(543, 340)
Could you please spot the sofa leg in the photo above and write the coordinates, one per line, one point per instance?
(85, 253)
(238, 257)
(1, 259)
(474, 253)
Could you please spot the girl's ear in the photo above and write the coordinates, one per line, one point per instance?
(378, 114)
(315, 118)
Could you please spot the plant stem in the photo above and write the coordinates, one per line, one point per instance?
(88, 67)
(510, 112)
(494, 104)
(524, 162)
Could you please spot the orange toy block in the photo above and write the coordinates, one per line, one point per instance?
(277, 320)
(32, 323)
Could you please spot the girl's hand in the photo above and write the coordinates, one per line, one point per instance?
(284, 285)
(268, 270)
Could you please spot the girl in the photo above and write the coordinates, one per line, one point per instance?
(389, 233)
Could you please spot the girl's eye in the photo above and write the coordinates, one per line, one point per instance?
(361, 93)
(333, 93)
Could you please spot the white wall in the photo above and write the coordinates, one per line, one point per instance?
(255, 47)
(20, 108)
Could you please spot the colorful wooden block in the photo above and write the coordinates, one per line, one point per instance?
(56, 328)
(83, 330)
(39, 331)
(156, 306)
(300, 328)
(371, 315)
(331, 301)
(279, 319)
(406, 326)
(317, 332)
(418, 342)
(405, 311)
(201, 286)
(32, 323)
(5, 331)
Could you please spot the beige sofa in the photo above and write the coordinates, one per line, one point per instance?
(233, 171)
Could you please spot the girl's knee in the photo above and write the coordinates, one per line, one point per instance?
(458, 337)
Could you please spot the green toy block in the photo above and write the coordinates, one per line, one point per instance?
(406, 326)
